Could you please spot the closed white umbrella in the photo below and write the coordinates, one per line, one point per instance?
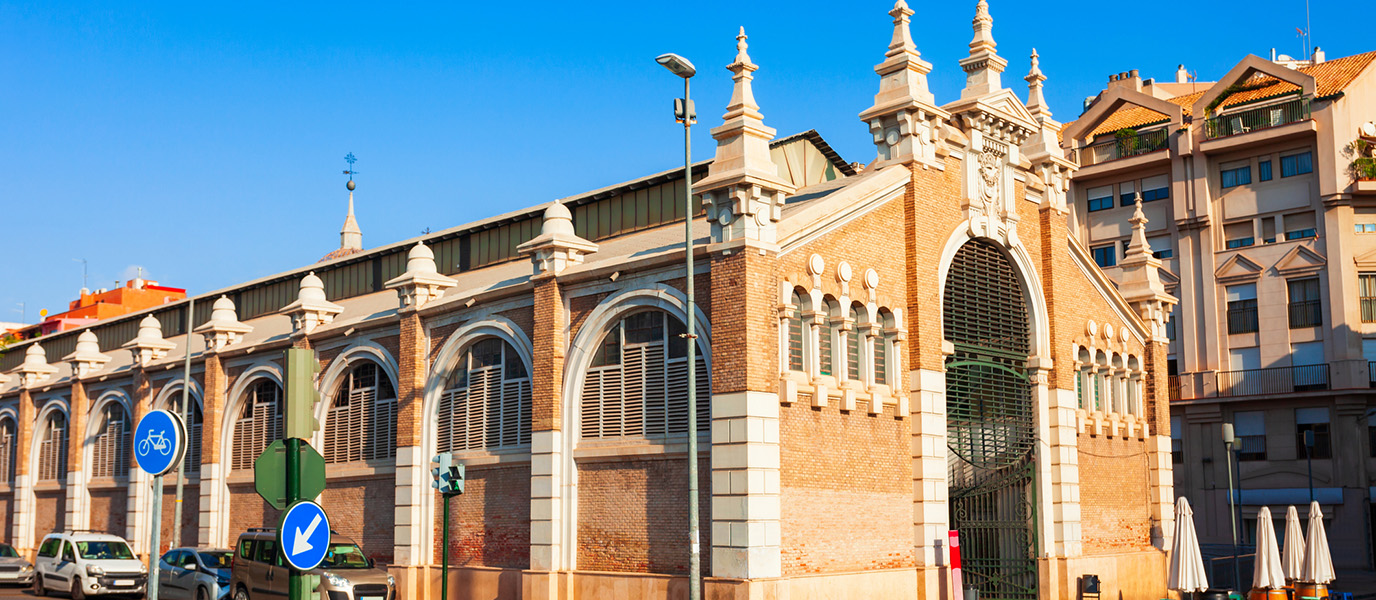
(1267, 574)
(1187, 564)
(1293, 560)
(1318, 563)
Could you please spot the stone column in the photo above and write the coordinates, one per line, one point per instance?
(547, 479)
(746, 528)
(22, 533)
(412, 480)
(78, 503)
(140, 484)
(214, 500)
(1158, 424)
(931, 515)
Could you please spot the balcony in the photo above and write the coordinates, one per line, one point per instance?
(1124, 145)
(1368, 309)
(1173, 386)
(1306, 313)
(1276, 380)
(1242, 319)
(1254, 119)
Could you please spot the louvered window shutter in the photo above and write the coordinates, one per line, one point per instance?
(853, 347)
(795, 335)
(591, 404)
(824, 347)
(6, 451)
(881, 373)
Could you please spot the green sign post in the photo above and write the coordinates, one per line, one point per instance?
(290, 470)
(449, 478)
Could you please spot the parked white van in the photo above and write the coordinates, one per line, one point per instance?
(87, 564)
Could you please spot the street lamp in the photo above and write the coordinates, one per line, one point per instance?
(1230, 444)
(684, 113)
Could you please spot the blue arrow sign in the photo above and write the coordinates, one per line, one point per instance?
(304, 536)
(159, 441)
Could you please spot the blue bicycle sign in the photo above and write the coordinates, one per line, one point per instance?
(159, 441)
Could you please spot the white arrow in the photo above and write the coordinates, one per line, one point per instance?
(302, 541)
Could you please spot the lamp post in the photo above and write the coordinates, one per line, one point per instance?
(684, 113)
(1309, 460)
(1230, 443)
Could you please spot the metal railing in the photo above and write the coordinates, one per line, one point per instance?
(1368, 309)
(1173, 387)
(1242, 320)
(1125, 146)
(1276, 380)
(1306, 313)
(1371, 373)
(1252, 119)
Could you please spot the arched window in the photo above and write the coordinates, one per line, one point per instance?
(637, 383)
(362, 423)
(8, 440)
(795, 333)
(1134, 386)
(881, 349)
(52, 454)
(259, 424)
(1119, 385)
(827, 360)
(110, 453)
(1100, 381)
(192, 456)
(1084, 371)
(486, 402)
(853, 345)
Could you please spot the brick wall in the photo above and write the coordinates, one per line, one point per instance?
(745, 336)
(247, 509)
(109, 510)
(846, 487)
(364, 510)
(191, 511)
(490, 523)
(49, 513)
(7, 518)
(523, 317)
(579, 309)
(1115, 513)
(633, 515)
(934, 214)
(390, 343)
(440, 335)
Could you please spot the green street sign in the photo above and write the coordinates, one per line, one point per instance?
(270, 473)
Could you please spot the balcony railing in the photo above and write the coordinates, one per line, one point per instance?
(1277, 380)
(1125, 146)
(1252, 119)
(1371, 373)
(1242, 320)
(1173, 387)
(1368, 309)
(1306, 313)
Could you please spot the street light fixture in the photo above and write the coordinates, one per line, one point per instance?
(1230, 445)
(684, 113)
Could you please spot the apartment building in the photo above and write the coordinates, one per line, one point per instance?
(1263, 213)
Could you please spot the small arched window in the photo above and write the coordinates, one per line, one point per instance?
(259, 423)
(192, 457)
(1134, 384)
(1082, 376)
(110, 453)
(637, 384)
(8, 441)
(795, 333)
(362, 423)
(826, 364)
(881, 349)
(1100, 380)
(52, 453)
(853, 345)
(486, 402)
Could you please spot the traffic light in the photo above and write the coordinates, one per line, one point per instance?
(448, 474)
(301, 395)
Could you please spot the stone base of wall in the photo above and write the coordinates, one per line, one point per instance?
(1127, 575)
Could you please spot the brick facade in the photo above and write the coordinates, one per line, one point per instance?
(491, 519)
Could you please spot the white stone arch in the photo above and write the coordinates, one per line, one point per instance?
(9, 412)
(1039, 326)
(438, 373)
(609, 311)
(115, 396)
(59, 405)
(172, 391)
(264, 368)
(329, 381)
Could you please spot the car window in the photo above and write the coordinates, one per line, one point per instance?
(104, 550)
(215, 560)
(345, 556)
(171, 557)
(49, 547)
(267, 551)
(67, 552)
(246, 549)
(7, 551)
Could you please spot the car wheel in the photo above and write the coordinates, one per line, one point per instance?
(241, 594)
(78, 593)
(201, 594)
(38, 586)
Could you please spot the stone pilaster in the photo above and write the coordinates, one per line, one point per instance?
(547, 437)
(214, 501)
(140, 504)
(78, 501)
(22, 534)
(412, 481)
(931, 517)
(1158, 417)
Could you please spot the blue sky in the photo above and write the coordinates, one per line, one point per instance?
(204, 141)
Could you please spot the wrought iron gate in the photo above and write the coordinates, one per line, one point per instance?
(990, 428)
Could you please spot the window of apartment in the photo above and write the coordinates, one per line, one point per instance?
(1366, 286)
(1233, 174)
(1250, 429)
(1297, 164)
(1304, 303)
(1268, 230)
(1156, 188)
(1239, 235)
(1309, 371)
(1170, 327)
(1264, 170)
(1105, 256)
(1127, 193)
(1161, 246)
(1242, 308)
(1371, 436)
(1312, 420)
(1369, 354)
(1300, 225)
(1244, 359)
(1365, 227)
(1100, 198)
(1177, 440)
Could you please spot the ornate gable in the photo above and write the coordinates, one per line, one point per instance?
(1238, 269)
(1300, 261)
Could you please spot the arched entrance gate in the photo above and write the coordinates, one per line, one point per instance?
(989, 421)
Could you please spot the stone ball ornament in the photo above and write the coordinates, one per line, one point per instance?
(871, 279)
(350, 185)
(816, 265)
(843, 272)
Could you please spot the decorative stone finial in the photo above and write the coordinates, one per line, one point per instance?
(557, 246)
(149, 344)
(1036, 104)
(1139, 244)
(983, 66)
(87, 357)
(743, 180)
(35, 368)
(1140, 278)
(422, 281)
(904, 115)
(223, 329)
(311, 308)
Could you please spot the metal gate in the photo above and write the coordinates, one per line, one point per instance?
(990, 428)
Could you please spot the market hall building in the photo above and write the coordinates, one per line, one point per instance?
(888, 353)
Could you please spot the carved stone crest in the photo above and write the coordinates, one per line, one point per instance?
(990, 165)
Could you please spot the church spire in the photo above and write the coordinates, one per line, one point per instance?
(983, 66)
(350, 236)
(903, 116)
